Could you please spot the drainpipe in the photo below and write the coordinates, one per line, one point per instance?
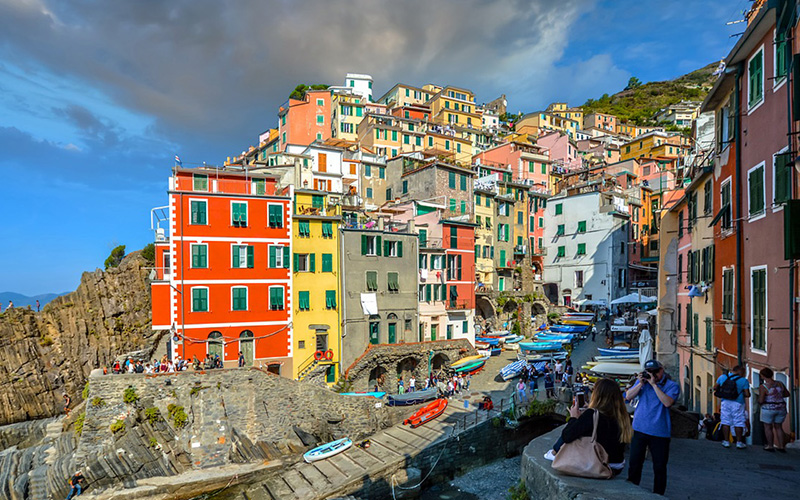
(739, 257)
(792, 264)
(342, 290)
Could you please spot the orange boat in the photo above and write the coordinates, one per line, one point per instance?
(426, 413)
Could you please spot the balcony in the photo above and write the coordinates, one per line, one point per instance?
(521, 249)
(324, 210)
(457, 304)
(540, 252)
(432, 243)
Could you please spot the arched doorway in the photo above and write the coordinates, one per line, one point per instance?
(567, 294)
(439, 362)
(537, 309)
(247, 347)
(392, 326)
(215, 345)
(377, 377)
(407, 367)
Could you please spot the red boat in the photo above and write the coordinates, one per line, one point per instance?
(426, 413)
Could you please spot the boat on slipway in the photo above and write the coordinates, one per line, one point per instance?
(512, 370)
(473, 367)
(426, 413)
(412, 398)
(374, 394)
(327, 450)
(466, 360)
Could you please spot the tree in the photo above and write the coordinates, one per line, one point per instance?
(299, 92)
(117, 254)
(633, 83)
(149, 253)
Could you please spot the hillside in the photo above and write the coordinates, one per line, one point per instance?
(638, 104)
(21, 300)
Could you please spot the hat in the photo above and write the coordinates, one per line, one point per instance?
(653, 365)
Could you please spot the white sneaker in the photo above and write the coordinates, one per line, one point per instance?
(550, 455)
(740, 445)
(726, 444)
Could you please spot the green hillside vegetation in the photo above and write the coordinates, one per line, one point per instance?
(638, 102)
(299, 92)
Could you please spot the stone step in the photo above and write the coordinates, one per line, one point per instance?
(366, 458)
(331, 473)
(301, 488)
(278, 489)
(314, 477)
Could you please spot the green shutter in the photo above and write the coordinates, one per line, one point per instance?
(582, 226)
(273, 259)
(311, 263)
(581, 248)
(363, 244)
(756, 179)
(378, 245)
(250, 256)
(399, 248)
(286, 257)
(235, 256)
(427, 293)
(463, 182)
(459, 267)
(783, 179)
(423, 238)
(451, 180)
(304, 301)
(559, 209)
(296, 262)
(386, 248)
(327, 263)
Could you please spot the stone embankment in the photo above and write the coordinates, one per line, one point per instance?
(48, 353)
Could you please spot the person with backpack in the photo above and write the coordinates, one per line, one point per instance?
(75, 486)
(771, 396)
(732, 389)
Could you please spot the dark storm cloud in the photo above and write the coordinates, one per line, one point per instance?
(215, 70)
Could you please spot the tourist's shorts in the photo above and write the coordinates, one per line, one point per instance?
(772, 416)
(732, 413)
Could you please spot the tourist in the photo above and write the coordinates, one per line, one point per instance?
(116, 368)
(732, 389)
(400, 388)
(651, 423)
(532, 384)
(521, 392)
(613, 425)
(67, 401)
(10, 305)
(549, 385)
(594, 332)
(241, 359)
(469, 379)
(148, 368)
(570, 372)
(771, 394)
(37, 305)
(75, 485)
(412, 384)
(559, 370)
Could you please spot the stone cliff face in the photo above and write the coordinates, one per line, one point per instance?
(48, 353)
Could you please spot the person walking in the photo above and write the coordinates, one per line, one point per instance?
(521, 392)
(67, 401)
(37, 305)
(75, 486)
(549, 385)
(594, 332)
(559, 370)
(651, 423)
(732, 389)
(241, 359)
(771, 394)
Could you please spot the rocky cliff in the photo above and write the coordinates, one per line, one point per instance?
(48, 353)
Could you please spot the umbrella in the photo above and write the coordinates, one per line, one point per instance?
(633, 298)
(645, 347)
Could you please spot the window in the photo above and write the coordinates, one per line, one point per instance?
(406, 139)
(369, 193)
(242, 256)
(755, 182)
(275, 216)
(304, 263)
(581, 248)
(780, 58)
(559, 208)
(579, 278)
(405, 187)
(393, 248)
(304, 229)
(758, 306)
(370, 245)
(330, 299)
(261, 186)
(463, 179)
(707, 198)
(327, 263)
(463, 207)
(437, 262)
(303, 301)
(200, 256)
(199, 182)
(451, 180)
(239, 298)
(423, 261)
(755, 81)
(541, 222)
(199, 211)
(381, 172)
(393, 282)
(582, 226)
(367, 170)
(327, 229)
(423, 238)
(560, 230)
(621, 278)
(680, 268)
(709, 335)
(519, 217)
(680, 224)
(389, 194)
(695, 329)
(374, 330)
(321, 102)
(502, 262)
(199, 299)
(276, 298)
(562, 251)
(725, 204)
(372, 281)
(452, 204)
(278, 256)
(544, 168)
(782, 179)
(320, 119)
(727, 294)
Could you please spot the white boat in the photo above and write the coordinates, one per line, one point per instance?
(625, 369)
(327, 450)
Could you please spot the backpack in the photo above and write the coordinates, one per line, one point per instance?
(728, 389)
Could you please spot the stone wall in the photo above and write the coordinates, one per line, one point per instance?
(404, 360)
(48, 353)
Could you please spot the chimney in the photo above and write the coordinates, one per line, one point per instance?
(411, 226)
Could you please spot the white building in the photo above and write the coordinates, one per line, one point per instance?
(360, 84)
(587, 236)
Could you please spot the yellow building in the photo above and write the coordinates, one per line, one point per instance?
(316, 300)
(450, 145)
(404, 95)
(647, 145)
(535, 123)
(452, 105)
(561, 109)
(484, 238)
(347, 111)
(381, 134)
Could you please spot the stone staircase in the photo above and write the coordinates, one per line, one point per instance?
(37, 477)
(390, 451)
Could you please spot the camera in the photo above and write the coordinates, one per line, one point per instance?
(645, 375)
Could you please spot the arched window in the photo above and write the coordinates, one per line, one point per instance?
(247, 347)
(215, 345)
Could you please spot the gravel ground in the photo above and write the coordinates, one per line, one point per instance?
(490, 482)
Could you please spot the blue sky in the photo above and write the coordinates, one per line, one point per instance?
(97, 97)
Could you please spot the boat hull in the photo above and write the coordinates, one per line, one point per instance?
(426, 413)
(412, 398)
(327, 450)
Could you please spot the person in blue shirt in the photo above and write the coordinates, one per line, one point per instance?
(732, 411)
(651, 423)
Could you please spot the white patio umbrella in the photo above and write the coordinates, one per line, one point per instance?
(645, 347)
(633, 298)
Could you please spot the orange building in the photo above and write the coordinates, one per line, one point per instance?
(306, 121)
(222, 283)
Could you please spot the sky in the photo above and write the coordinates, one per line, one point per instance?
(97, 97)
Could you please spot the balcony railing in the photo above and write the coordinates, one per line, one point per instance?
(431, 243)
(541, 251)
(321, 210)
(521, 249)
(457, 304)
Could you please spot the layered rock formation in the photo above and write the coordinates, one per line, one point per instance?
(48, 353)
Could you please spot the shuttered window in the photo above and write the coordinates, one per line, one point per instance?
(199, 256)
(463, 182)
(581, 248)
(200, 299)
(330, 299)
(756, 189)
(727, 294)
(275, 215)
(582, 226)
(199, 211)
(783, 179)
(239, 214)
(304, 229)
(453, 237)
(327, 263)
(278, 257)
(303, 301)
(276, 298)
(372, 281)
(239, 298)
(327, 229)
(562, 251)
(756, 79)
(423, 238)
(451, 180)
(758, 303)
(559, 209)
(199, 182)
(261, 186)
(243, 256)
(393, 282)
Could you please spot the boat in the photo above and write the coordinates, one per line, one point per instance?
(373, 394)
(473, 367)
(512, 370)
(498, 333)
(512, 339)
(586, 316)
(625, 369)
(488, 340)
(614, 351)
(535, 357)
(625, 358)
(426, 413)
(568, 328)
(540, 346)
(554, 338)
(327, 450)
(490, 351)
(412, 398)
(576, 322)
(468, 359)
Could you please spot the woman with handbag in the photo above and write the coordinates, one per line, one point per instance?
(605, 423)
(771, 396)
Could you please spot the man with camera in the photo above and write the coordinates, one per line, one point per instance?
(651, 423)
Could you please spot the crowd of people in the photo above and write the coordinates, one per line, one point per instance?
(447, 385)
(165, 365)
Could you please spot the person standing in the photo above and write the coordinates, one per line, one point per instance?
(241, 359)
(732, 389)
(67, 401)
(651, 423)
(559, 370)
(521, 392)
(412, 384)
(594, 332)
(10, 305)
(75, 485)
(549, 385)
(771, 396)
(37, 305)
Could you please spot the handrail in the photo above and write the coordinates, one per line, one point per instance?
(308, 362)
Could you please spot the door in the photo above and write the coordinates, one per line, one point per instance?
(322, 341)
(246, 347)
(433, 331)
(449, 332)
(215, 345)
(392, 333)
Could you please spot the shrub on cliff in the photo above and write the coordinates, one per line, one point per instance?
(149, 253)
(117, 254)
(178, 416)
(152, 415)
(117, 426)
(79, 421)
(129, 396)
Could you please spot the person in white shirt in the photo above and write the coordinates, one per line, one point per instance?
(412, 382)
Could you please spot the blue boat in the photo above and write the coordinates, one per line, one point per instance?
(513, 339)
(374, 394)
(412, 398)
(540, 346)
(488, 340)
(327, 450)
(512, 370)
(568, 328)
(555, 336)
(618, 352)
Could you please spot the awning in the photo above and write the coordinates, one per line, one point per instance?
(643, 268)
(722, 211)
